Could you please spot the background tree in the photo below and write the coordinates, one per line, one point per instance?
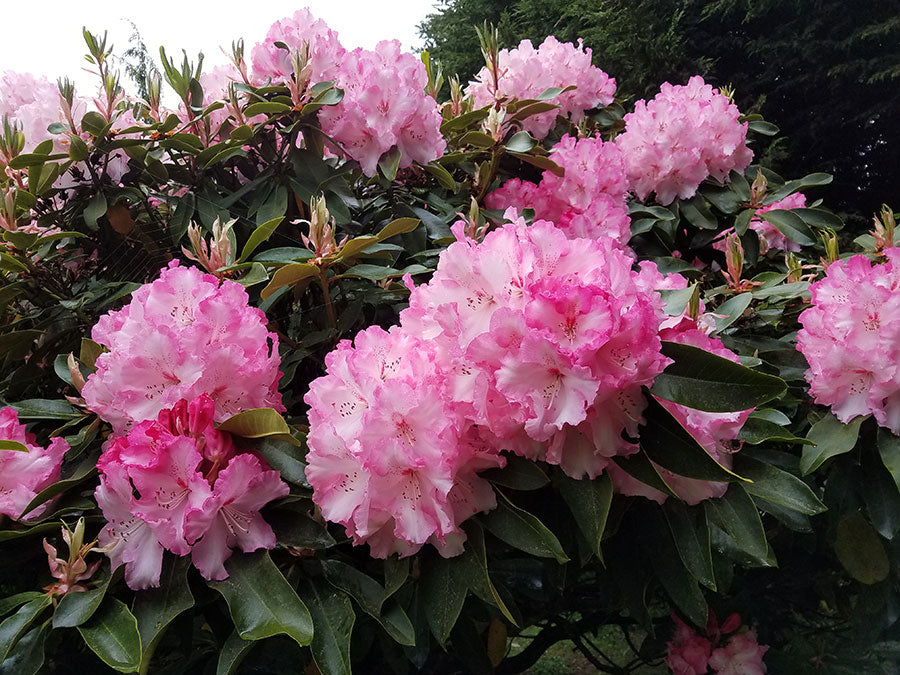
(827, 76)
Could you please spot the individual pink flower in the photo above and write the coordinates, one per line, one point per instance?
(588, 201)
(743, 655)
(391, 457)
(686, 134)
(230, 515)
(526, 72)
(24, 474)
(687, 653)
(384, 106)
(326, 54)
(851, 339)
(180, 485)
(183, 335)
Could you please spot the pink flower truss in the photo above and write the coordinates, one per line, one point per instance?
(33, 102)
(546, 341)
(391, 458)
(183, 335)
(177, 484)
(689, 653)
(681, 137)
(384, 105)
(770, 237)
(526, 72)
(271, 62)
(24, 474)
(851, 337)
(588, 201)
(743, 655)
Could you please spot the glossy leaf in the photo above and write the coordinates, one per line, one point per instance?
(443, 585)
(690, 532)
(112, 634)
(259, 423)
(258, 236)
(288, 276)
(232, 654)
(704, 381)
(889, 449)
(831, 438)
(156, 608)
(478, 577)
(261, 601)
(14, 626)
(333, 617)
(777, 486)
(523, 531)
(738, 516)
(589, 502)
(518, 474)
(27, 657)
(791, 226)
(76, 608)
(860, 550)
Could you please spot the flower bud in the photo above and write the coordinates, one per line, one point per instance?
(215, 255)
(830, 240)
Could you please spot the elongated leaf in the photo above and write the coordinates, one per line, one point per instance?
(156, 608)
(76, 608)
(690, 532)
(889, 449)
(777, 486)
(860, 550)
(266, 108)
(757, 430)
(288, 276)
(443, 585)
(15, 601)
(880, 495)
(680, 585)
(831, 438)
(259, 423)
(258, 236)
(12, 445)
(521, 142)
(367, 592)
(27, 657)
(397, 226)
(14, 627)
(589, 502)
(671, 446)
(479, 579)
(84, 471)
(523, 531)
(738, 516)
(705, 381)
(518, 474)
(731, 310)
(261, 601)
(333, 618)
(112, 634)
(791, 226)
(638, 466)
(232, 653)
(45, 409)
(284, 457)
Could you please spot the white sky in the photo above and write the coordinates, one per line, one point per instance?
(44, 36)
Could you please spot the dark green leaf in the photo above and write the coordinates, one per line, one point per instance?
(518, 474)
(285, 458)
(889, 449)
(15, 601)
(731, 310)
(156, 608)
(791, 226)
(93, 123)
(589, 502)
(27, 657)
(880, 495)
(443, 585)
(478, 577)
(860, 550)
(112, 634)
(738, 516)
(288, 276)
(777, 486)
(232, 653)
(258, 236)
(266, 108)
(523, 531)
(763, 127)
(261, 601)
(444, 178)
(333, 617)
(76, 608)
(704, 381)
(14, 627)
(389, 163)
(831, 438)
(680, 585)
(638, 466)
(691, 534)
(757, 430)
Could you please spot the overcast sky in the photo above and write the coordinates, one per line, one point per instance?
(44, 36)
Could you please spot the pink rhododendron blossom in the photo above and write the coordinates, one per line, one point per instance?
(183, 335)
(770, 237)
(680, 138)
(24, 474)
(180, 485)
(545, 340)
(743, 655)
(326, 54)
(588, 201)
(33, 103)
(850, 339)
(391, 458)
(526, 72)
(384, 106)
(689, 653)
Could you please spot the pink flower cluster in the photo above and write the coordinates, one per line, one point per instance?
(770, 237)
(681, 137)
(689, 653)
(183, 335)
(588, 201)
(177, 484)
(850, 339)
(526, 72)
(384, 106)
(273, 63)
(391, 457)
(24, 474)
(32, 102)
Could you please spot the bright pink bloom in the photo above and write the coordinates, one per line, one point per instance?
(24, 474)
(588, 201)
(230, 516)
(526, 72)
(391, 458)
(680, 138)
(743, 655)
(32, 102)
(183, 335)
(195, 493)
(851, 339)
(384, 106)
(271, 62)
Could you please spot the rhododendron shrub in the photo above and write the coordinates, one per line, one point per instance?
(306, 364)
